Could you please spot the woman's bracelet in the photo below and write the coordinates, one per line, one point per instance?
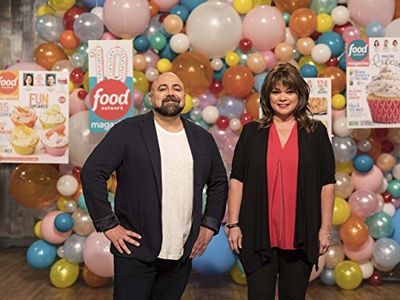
(229, 226)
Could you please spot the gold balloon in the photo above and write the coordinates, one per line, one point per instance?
(139, 62)
(334, 256)
(305, 45)
(173, 24)
(291, 5)
(283, 51)
(386, 162)
(194, 69)
(47, 54)
(344, 167)
(63, 274)
(348, 275)
(92, 279)
(83, 224)
(238, 276)
(34, 185)
(337, 76)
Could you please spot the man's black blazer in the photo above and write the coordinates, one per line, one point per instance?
(131, 149)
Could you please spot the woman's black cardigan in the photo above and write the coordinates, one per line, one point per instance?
(316, 168)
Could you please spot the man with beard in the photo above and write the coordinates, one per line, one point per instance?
(162, 162)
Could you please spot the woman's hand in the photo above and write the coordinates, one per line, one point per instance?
(235, 239)
(323, 241)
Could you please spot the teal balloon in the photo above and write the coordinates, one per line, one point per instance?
(242, 57)
(158, 41)
(81, 202)
(286, 17)
(323, 6)
(146, 101)
(380, 225)
(394, 188)
(83, 48)
(202, 124)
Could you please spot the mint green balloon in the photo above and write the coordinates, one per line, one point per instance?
(146, 101)
(323, 6)
(394, 188)
(286, 17)
(158, 41)
(380, 225)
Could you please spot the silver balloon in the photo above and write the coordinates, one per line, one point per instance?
(71, 206)
(328, 277)
(387, 253)
(344, 148)
(49, 28)
(77, 59)
(73, 248)
(195, 114)
(60, 251)
(83, 224)
(364, 145)
(152, 74)
(154, 26)
(88, 27)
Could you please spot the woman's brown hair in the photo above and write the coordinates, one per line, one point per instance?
(288, 76)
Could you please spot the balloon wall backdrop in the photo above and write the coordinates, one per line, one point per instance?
(222, 50)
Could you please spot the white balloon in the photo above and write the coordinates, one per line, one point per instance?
(67, 185)
(381, 202)
(210, 114)
(152, 74)
(396, 171)
(340, 127)
(384, 186)
(195, 102)
(321, 53)
(389, 177)
(340, 15)
(234, 124)
(98, 11)
(217, 64)
(214, 28)
(393, 28)
(179, 43)
(290, 38)
(367, 269)
(389, 208)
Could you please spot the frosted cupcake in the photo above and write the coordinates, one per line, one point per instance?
(23, 116)
(24, 139)
(55, 141)
(384, 97)
(52, 117)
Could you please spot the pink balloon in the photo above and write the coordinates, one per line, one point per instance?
(151, 59)
(76, 104)
(126, 18)
(361, 254)
(49, 231)
(363, 203)
(26, 66)
(262, 19)
(351, 32)
(371, 180)
(321, 263)
(206, 99)
(269, 58)
(166, 5)
(366, 11)
(97, 255)
(337, 114)
(137, 98)
(108, 36)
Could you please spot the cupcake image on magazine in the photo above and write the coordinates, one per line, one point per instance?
(52, 117)
(24, 139)
(23, 116)
(55, 141)
(384, 96)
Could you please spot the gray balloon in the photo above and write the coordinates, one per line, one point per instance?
(71, 206)
(195, 114)
(49, 28)
(344, 148)
(88, 27)
(386, 253)
(328, 277)
(77, 60)
(73, 248)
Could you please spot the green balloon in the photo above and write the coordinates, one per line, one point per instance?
(323, 6)
(394, 188)
(380, 225)
(158, 41)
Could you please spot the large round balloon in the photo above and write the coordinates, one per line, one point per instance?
(348, 275)
(365, 11)
(303, 22)
(380, 225)
(387, 253)
(214, 28)
(49, 230)
(73, 248)
(263, 19)
(63, 274)
(41, 254)
(363, 203)
(238, 81)
(97, 256)
(194, 70)
(49, 28)
(354, 233)
(34, 185)
(47, 54)
(371, 180)
(126, 18)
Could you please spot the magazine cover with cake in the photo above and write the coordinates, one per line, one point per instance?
(373, 82)
(34, 110)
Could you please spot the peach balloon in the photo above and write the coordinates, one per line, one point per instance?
(256, 62)
(238, 81)
(283, 51)
(361, 254)
(386, 162)
(253, 105)
(337, 76)
(139, 62)
(334, 256)
(354, 233)
(303, 22)
(305, 45)
(292, 5)
(47, 54)
(83, 224)
(361, 134)
(173, 24)
(371, 180)
(49, 231)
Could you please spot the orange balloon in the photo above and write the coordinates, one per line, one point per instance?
(303, 22)
(194, 69)
(253, 105)
(92, 279)
(113, 187)
(69, 40)
(154, 8)
(291, 5)
(238, 81)
(34, 185)
(354, 232)
(397, 9)
(337, 76)
(47, 54)
(376, 148)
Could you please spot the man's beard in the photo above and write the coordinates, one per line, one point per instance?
(169, 107)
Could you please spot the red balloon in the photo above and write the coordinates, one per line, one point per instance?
(246, 118)
(76, 76)
(216, 87)
(376, 279)
(82, 94)
(245, 45)
(223, 122)
(341, 29)
(315, 35)
(332, 62)
(162, 17)
(387, 197)
(387, 146)
(76, 171)
(71, 15)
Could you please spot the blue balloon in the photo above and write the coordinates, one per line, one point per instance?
(218, 257)
(82, 202)
(181, 11)
(396, 224)
(328, 277)
(375, 29)
(258, 81)
(167, 52)
(363, 163)
(64, 222)
(141, 43)
(308, 70)
(334, 41)
(342, 62)
(41, 254)
(192, 4)
(394, 188)
(230, 107)
(92, 3)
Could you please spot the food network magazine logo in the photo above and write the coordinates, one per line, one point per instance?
(357, 52)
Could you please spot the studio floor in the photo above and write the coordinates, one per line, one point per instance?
(18, 281)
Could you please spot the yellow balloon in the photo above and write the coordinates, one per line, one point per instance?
(61, 4)
(37, 229)
(338, 101)
(242, 6)
(71, 86)
(341, 211)
(188, 104)
(261, 2)
(344, 167)
(45, 10)
(61, 203)
(140, 82)
(324, 23)
(164, 65)
(307, 59)
(63, 274)
(86, 82)
(231, 58)
(69, 52)
(238, 276)
(348, 275)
